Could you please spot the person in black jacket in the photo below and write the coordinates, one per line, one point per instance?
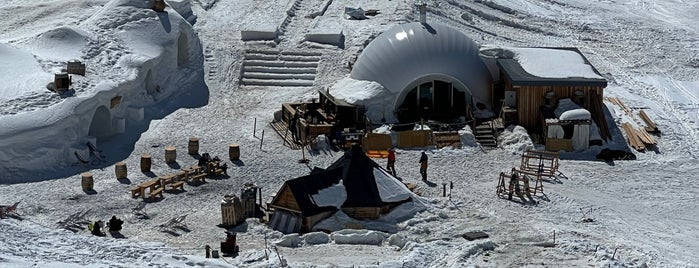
(115, 224)
(423, 166)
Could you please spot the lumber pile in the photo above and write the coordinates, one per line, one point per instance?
(637, 137)
(650, 125)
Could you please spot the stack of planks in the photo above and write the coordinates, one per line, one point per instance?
(638, 138)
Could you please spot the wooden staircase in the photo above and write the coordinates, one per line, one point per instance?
(487, 132)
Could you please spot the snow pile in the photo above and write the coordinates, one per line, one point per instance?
(370, 94)
(320, 142)
(383, 129)
(316, 238)
(358, 237)
(467, 137)
(515, 140)
(27, 74)
(289, 241)
(60, 44)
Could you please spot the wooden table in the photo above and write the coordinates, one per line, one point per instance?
(151, 185)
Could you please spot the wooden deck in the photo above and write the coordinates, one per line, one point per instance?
(283, 130)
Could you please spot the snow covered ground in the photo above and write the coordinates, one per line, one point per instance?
(645, 211)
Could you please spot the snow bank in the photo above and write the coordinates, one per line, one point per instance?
(467, 137)
(289, 241)
(358, 237)
(515, 140)
(316, 238)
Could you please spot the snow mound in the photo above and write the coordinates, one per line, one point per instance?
(370, 94)
(60, 44)
(26, 72)
(515, 140)
(289, 241)
(467, 137)
(320, 142)
(358, 237)
(397, 240)
(316, 238)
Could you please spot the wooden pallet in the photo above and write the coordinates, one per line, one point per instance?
(283, 130)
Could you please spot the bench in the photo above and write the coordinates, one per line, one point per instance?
(175, 185)
(135, 192)
(199, 177)
(157, 192)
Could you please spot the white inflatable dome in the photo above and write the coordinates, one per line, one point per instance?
(409, 54)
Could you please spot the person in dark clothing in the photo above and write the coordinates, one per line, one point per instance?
(390, 166)
(97, 228)
(115, 224)
(292, 126)
(423, 166)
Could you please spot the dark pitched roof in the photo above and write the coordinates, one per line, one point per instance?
(354, 168)
(303, 188)
(358, 178)
(517, 76)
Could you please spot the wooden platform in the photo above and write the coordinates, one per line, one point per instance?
(282, 129)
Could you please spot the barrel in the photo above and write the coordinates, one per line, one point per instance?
(234, 152)
(87, 181)
(193, 147)
(120, 170)
(170, 154)
(145, 163)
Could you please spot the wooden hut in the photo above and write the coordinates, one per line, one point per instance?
(525, 94)
(360, 188)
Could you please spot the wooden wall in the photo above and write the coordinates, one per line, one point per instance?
(286, 199)
(371, 213)
(530, 98)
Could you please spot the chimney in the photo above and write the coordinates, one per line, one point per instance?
(423, 12)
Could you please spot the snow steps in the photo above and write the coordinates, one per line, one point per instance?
(265, 67)
(486, 134)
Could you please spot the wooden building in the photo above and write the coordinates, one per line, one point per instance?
(369, 191)
(522, 96)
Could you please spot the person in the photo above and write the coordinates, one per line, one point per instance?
(115, 224)
(292, 125)
(390, 166)
(423, 166)
(97, 228)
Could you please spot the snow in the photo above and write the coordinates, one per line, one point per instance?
(553, 63)
(333, 196)
(390, 189)
(644, 211)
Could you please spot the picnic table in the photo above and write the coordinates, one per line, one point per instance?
(151, 185)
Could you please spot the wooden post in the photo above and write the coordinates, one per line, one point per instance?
(208, 251)
(614, 254)
(254, 128)
(444, 189)
(262, 139)
(554, 236)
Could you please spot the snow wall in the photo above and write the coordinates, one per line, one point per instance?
(161, 57)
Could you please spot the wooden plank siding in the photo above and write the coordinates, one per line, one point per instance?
(285, 199)
(530, 98)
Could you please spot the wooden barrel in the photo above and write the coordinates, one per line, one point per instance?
(234, 151)
(120, 170)
(193, 147)
(170, 154)
(87, 181)
(145, 163)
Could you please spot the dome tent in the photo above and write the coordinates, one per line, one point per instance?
(424, 59)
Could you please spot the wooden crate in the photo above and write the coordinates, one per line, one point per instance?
(376, 142)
